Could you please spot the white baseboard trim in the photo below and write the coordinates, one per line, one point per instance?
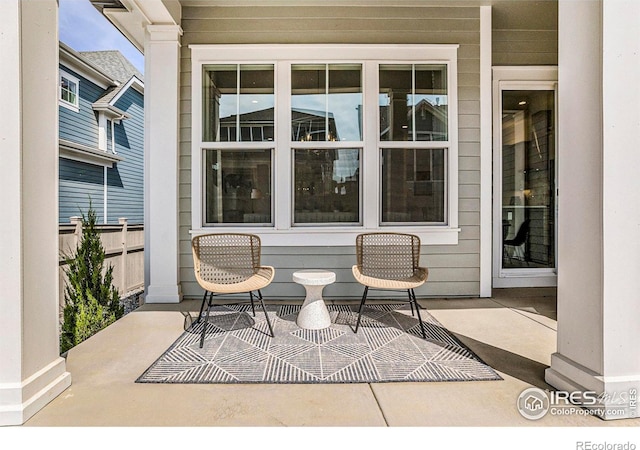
(163, 294)
(20, 401)
(618, 395)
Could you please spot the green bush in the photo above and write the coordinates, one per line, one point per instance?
(91, 300)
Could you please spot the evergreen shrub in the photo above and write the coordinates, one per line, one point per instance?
(91, 300)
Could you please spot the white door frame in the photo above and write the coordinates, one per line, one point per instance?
(517, 78)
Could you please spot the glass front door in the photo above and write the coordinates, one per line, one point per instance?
(527, 227)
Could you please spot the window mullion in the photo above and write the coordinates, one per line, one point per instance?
(283, 147)
(371, 151)
(238, 131)
(413, 101)
(326, 102)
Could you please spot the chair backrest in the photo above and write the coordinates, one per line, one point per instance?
(225, 258)
(389, 256)
(521, 235)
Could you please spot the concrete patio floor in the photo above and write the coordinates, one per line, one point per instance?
(514, 332)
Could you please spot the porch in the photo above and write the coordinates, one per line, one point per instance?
(514, 332)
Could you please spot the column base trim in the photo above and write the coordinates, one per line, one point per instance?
(163, 294)
(618, 396)
(20, 401)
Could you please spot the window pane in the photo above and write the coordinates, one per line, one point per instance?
(220, 89)
(413, 98)
(308, 102)
(345, 102)
(224, 107)
(395, 100)
(327, 185)
(413, 185)
(326, 111)
(431, 103)
(238, 186)
(256, 101)
(528, 179)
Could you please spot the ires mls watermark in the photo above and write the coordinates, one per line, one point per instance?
(534, 403)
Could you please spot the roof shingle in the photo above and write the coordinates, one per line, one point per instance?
(113, 63)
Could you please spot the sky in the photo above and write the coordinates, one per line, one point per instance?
(83, 28)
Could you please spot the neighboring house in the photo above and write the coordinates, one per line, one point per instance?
(101, 122)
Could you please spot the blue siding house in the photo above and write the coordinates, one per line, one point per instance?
(101, 133)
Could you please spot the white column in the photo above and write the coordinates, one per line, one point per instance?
(32, 372)
(486, 169)
(161, 110)
(599, 214)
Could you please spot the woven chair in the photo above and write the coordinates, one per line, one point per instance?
(229, 263)
(389, 261)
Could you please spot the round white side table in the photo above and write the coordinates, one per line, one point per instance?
(314, 314)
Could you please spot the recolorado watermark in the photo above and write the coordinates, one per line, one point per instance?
(534, 403)
(588, 445)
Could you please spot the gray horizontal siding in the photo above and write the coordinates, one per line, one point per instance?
(525, 33)
(323, 14)
(454, 269)
(208, 25)
(80, 185)
(446, 268)
(125, 190)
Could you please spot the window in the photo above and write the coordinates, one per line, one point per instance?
(238, 186)
(413, 107)
(524, 172)
(238, 97)
(313, 142)
(238, 174)
(413, 185)
(326, 186)
(69, 91)
(413, 102)
(326, 106)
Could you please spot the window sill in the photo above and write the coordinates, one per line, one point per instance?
(73, 107)
(333, 236)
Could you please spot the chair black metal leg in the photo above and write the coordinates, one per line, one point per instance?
(364, 298)
(412, 295)
(204, 299)
(206, 322)
(253, 308)
(411, 303)
(265, 313)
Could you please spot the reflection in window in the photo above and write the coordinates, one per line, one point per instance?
(238, 97)
(413, 185)
(326, 186)
(528, 179)
(238, 186)
(413, 102)
(326, 102)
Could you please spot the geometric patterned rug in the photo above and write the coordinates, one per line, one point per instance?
(387, 348)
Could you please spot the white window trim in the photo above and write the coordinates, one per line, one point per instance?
(282, 56)
(72, 106)
(517, 78)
